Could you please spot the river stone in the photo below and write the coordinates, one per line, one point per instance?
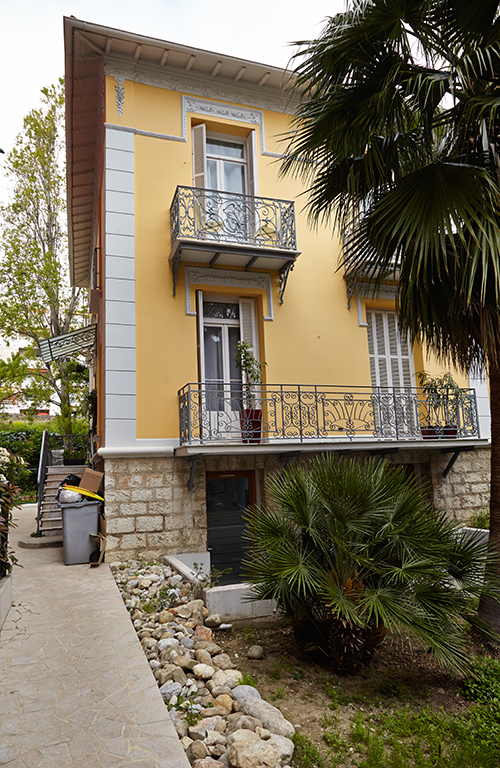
(256, 652)
(217, 710)
(271, 718)
(237, 721)
(242, 734)
(214, 620)
(165, 674)
(214, 737)
(223, 700)
(208, 762)
(203, 671)
(204, 633)
(186, 741)
(234, 676)
(167, 642)
(196, 751)
(155, 664)
(178, 675)
(241, 692)
(219, 690)
(165, 617)
(254, 754)
(222, 661)
(181, 726)
(170, 689)
(285, 748)
(206, 645)
(203, 656)
(187, 642)
(185, 663)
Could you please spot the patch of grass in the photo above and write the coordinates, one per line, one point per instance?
(338, 697)
(306, 754)
(151, 606)
(249, 680)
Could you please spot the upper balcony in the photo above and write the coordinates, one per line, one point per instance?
(228, 229)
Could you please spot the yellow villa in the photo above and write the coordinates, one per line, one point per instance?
(190, 242)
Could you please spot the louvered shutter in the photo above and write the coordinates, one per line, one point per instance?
(251, 156)
(248, 327)
(391, 358)
(200, 155)
(201, 335)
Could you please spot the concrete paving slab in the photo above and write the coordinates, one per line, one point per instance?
(75, 686)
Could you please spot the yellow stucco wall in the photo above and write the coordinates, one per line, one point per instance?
(313, 339)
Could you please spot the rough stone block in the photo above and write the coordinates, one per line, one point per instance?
(169, 543)
(154, 480)
(164, 493)
(133, 540)
(141, 494)
(134, 508)
(175, 522)
(149, 523)
(117, 495)
(139, 466)
(130, 481)
(121, 525)
(112, 542)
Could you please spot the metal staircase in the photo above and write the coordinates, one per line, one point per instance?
(50, 517)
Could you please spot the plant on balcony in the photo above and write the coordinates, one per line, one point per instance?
(442, 394)
(251, 370)
(351, 550)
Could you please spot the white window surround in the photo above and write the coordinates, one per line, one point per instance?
(200, 276)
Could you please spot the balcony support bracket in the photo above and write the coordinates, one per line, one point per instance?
(284, 272)
(454, 457)
(349, 289)
(175, 269)
(190, 485)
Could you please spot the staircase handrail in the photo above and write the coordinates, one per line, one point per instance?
(44, 461)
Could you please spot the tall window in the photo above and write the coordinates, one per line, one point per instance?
(391, 356)
(226, 165)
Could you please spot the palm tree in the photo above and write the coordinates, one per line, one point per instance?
(397, 135)
(350, 550)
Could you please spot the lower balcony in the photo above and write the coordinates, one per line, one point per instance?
(215, 412)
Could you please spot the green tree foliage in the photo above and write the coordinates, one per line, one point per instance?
(36, 299)
(397, 134)
(350, 550)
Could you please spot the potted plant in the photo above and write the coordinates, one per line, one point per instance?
(251, 369)
(442, 395)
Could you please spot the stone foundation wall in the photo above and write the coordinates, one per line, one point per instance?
(150, 511)
(466, 489)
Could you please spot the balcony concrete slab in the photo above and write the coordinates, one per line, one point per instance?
(75, 686)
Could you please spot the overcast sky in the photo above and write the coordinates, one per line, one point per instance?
(32, 51)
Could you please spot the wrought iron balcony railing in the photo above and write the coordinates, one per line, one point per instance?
(220, 412)
(224, 217)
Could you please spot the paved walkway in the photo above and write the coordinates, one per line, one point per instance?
(75, 686)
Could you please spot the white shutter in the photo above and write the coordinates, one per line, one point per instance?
(201, 334)
(248, 325)
(200, 155)
(391, 357)
(251, 155)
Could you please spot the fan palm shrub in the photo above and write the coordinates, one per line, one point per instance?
(350, 550)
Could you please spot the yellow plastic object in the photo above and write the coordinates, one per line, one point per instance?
(83, 491)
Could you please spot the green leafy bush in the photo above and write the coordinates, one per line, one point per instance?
(350, 550)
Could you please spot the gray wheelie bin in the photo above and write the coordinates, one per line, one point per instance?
(80, 523)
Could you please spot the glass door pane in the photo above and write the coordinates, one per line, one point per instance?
(214, 370)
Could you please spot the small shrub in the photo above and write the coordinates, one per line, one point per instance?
(480, 520)
(249, 680)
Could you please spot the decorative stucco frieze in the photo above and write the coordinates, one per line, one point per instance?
(120, 94)
(226, 277)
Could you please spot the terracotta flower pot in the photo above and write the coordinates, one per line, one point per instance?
(251, 425)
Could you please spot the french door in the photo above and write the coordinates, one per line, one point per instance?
(392, 374)
(222, 324)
